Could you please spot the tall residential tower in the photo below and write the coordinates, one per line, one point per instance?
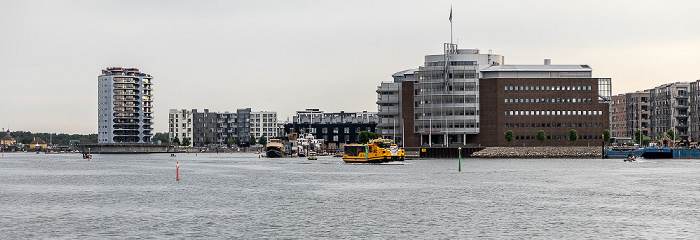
(125, 106)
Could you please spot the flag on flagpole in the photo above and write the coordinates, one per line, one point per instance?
(450, 14)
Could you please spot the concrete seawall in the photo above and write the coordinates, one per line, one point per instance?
(539, 152)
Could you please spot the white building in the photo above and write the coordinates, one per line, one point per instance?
(125, 106)
(180, 125)
(264, 124)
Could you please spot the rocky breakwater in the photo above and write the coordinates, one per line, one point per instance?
(539, 152)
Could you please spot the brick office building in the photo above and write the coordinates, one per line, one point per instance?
(553, 105)
(456, 110)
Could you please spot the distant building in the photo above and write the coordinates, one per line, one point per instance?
(670, 108)
(618, 116)
(8, 140)
(220, 127)
(37, 143)
(389, 104)
(180, 123)
(264, 124)
(638, 112)
(694, 110)
(125, 106)
(336, 128)
(463, 97)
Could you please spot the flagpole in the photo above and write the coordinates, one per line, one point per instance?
(450, 25)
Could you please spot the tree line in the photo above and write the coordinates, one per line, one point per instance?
(25, 137)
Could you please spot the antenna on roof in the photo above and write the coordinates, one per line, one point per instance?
(450, 24)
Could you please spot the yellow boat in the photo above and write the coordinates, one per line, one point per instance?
(376, 151)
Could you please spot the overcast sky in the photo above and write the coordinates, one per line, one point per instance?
(286, 56)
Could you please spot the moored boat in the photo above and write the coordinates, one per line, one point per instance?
(274, 149)
(376, 151)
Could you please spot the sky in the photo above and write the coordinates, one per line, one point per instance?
(286, 56)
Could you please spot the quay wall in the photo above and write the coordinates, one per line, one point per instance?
(127, 148)
(539, 152)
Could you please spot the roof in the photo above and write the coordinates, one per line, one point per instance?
(538, 68)
(404, 72)
(38, 140)
(8, 138)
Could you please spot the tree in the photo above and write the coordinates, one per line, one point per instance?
(207, 141)
(573, 136)
(262, 140)
(231, 142)
(177, 141)
(606, 135)
(163, 137)
(509, 136)
(541, 136)
(185, 142)
(365, 136)
(251, 140)
(671, 134)
(237, 142)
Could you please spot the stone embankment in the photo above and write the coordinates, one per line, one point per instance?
(539, 152)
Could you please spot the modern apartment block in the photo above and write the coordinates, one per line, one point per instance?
(463, 97)
(264, 124)
(125, 106)
(618, 116)
(336, 129)
(670, 106)
(180, 125)
(630, 112)
(694, 110)
(638, 112)
(217, 128)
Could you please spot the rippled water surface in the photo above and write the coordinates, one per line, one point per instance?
(246, 197)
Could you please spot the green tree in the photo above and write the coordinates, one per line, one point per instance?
(262, 140)
(573, 136)
(541, 136)
(207, 141)
(251, 140)
(237, 142)
(185, 142)
(231, 142)
(365, 136)
(606, 135)
(177, 141)
(163, 137)
(671, 134)
(509, 136)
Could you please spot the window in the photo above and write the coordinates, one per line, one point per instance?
(347, 130)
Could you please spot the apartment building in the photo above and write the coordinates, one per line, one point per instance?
(219, 129)
(670, 110)
(335, 128)
(125, 106)
(264, 124)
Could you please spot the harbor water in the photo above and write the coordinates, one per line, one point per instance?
(242, 196)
